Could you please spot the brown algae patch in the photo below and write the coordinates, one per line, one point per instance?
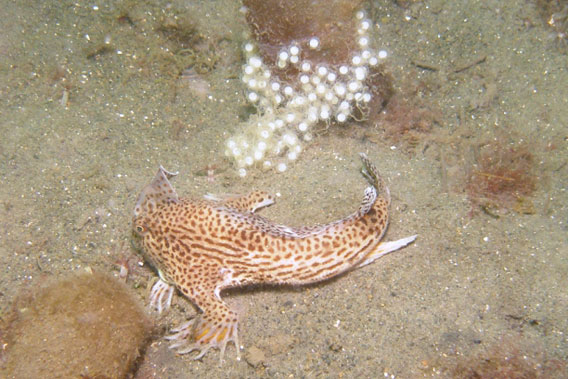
(503, 176)
(86, 325)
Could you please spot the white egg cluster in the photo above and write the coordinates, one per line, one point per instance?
(288, 111)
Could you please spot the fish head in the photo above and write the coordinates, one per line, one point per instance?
(147, 212)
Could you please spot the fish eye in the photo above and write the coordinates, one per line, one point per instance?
(140, 229)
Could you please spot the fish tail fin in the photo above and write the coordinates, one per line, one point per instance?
(372, 174)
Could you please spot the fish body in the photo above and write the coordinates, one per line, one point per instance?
(204, 246)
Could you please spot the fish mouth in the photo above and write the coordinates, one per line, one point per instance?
(137, 243)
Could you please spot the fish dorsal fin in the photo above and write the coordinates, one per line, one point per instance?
(250, 202)
(158, 191)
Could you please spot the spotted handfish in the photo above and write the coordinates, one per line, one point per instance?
(204, 246)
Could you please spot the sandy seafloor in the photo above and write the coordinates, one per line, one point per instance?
(472, 283)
